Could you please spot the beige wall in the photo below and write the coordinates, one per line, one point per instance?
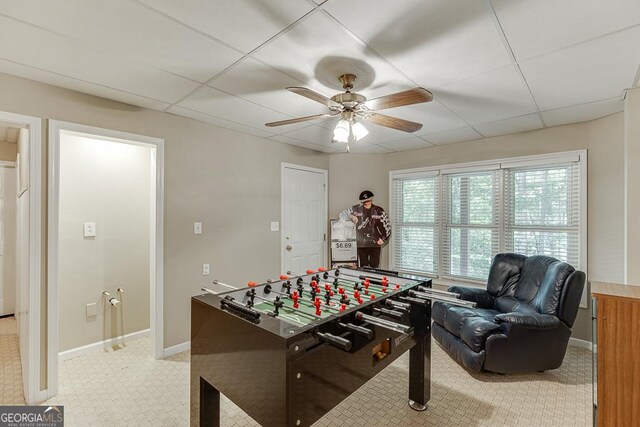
(8, 151)
(602, 138)
(227, 180)
(632, 186)
(108, 183)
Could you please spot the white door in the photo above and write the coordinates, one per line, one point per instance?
(304, 219)
(7, 240)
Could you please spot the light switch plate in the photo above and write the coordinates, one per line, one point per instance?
(205, 269)
(275, 226)
(89, 229)
(197, 228)
(92, 310)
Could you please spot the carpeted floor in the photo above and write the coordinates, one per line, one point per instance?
(129, 387)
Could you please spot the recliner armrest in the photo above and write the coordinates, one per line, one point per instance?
(481, 297)
(529, 320)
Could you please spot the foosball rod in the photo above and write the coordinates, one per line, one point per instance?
(433, 297)
(398, 327)
(351, 282)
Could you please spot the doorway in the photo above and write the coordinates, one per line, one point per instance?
(21, 280)
(304, 217)
(105, 242)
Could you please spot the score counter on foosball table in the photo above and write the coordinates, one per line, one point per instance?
(288, 351)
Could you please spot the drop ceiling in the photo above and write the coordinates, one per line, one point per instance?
(495, 67)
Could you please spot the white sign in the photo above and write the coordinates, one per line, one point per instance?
(343, 241)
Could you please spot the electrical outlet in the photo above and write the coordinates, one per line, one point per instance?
(205, 269)
(89, 229)
(275, 226)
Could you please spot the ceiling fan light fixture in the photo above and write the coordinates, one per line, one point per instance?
(359, 131)
(341, 132)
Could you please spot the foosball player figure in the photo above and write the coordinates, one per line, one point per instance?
(277, 305)
(327, 297)
(294, 297)
(300, 289)
(317, 305)
(252, 296)
(287, 287)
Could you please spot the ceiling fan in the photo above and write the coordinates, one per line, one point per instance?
(350, 105)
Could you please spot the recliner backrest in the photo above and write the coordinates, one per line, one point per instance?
(504, 273)
(547, 299)
(533, 273)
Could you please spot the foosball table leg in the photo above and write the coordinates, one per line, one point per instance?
(420, 359)
(209, 405)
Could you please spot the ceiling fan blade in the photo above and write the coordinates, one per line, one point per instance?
(416, 95)
(308, 93)
(300, 119)
(392, 122)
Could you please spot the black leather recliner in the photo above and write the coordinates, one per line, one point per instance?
(522, 321)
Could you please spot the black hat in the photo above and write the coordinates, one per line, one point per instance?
(365, 195)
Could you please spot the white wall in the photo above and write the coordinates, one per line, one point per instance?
(108, 183)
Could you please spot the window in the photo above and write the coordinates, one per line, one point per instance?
(450, 222)
(470, 235)
(415, 230)
(542, 210)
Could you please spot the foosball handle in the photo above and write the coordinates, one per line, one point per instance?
(361, 330)
(338, 342)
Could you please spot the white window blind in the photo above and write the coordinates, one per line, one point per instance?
(542, 211)
(415, 224)
(471, 224)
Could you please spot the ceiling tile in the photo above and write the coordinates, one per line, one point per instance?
(583, 113)
(58, 54)
(196, 115)
(534, 27)
(219, 104)
(261, 84)
(31, 73)
(433, 42)
(453, 136)
(362, 147)
(595, 70)
(317, 50)
(244, 24)
(411, 143)
(303, 144)
(433, 116)
(507, 126)
(492, 96)
(130, 29)
(311, 133)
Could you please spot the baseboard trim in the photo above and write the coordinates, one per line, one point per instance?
(179, 348)
(100, 345)
(575, 342)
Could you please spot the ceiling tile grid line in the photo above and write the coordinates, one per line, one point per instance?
(582, 42)
(383, 58)
(185, 25)
(84, 81)
(249, 54)
(224, 119)
(509, 49)
(99, 48)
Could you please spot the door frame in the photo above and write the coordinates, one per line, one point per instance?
(325, 217)
(157, 247)
(31, 361)
(9, 165)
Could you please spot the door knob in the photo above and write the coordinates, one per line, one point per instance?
(288, 248)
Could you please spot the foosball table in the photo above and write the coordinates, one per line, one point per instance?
(288, 351)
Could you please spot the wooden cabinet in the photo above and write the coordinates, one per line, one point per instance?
(617, 317)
